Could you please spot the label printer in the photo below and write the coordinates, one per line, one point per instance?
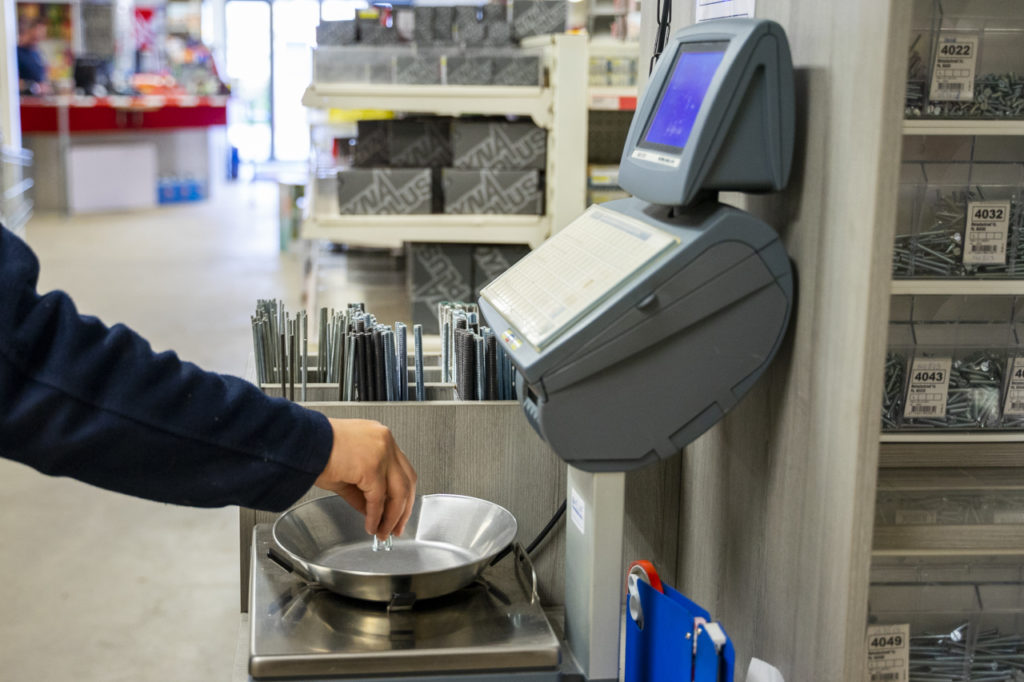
(639, 325)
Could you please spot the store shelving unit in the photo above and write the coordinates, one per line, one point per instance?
(16, 185)
(610, 98)
(558, 105)
(957, 473)
(945, 127)
(977, 527)
(953, 287)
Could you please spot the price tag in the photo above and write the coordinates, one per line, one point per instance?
(888, 653)
(929, 388)
(1014, 406)
(953, 71)
(986, 232)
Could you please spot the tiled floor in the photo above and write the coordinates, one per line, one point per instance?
(100, 586)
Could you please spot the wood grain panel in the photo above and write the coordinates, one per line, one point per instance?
(777, 501)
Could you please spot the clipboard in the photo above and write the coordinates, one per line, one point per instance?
(670, 638)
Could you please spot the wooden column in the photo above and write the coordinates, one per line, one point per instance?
(777, 501)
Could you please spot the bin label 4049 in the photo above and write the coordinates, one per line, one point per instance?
(888, 653)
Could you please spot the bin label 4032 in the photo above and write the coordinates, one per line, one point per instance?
(987, 231)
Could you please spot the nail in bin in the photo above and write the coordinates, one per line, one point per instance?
(966, 616)
(966, 61)
(960, 220)
(951, 363)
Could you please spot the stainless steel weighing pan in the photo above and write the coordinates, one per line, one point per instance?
(448, 540)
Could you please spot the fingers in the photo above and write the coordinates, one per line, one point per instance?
(399, 494)
(375, 498)
(411, 500)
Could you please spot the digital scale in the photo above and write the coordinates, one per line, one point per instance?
(639, 325)
(634, 330)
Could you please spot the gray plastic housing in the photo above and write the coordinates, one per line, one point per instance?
(668, 353)
(742, 137)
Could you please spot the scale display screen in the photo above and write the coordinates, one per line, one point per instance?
(570, 274)
(683, 94)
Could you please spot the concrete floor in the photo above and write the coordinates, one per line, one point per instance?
(100, 586)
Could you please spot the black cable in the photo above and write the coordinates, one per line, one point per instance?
(547, 529)
(540, 536)
(664, 12)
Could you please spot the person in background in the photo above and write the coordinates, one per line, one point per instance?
(31, 65)
(96, 403)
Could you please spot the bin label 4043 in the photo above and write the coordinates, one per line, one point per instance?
(928, 389)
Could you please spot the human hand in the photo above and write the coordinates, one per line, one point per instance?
(367, 468)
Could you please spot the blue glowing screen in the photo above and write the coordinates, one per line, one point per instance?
(681, 99)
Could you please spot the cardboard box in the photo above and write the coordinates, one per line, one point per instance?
(471, 34)
(499, 33)
(499, 145)
(418, 70)
(423, 25)
(402, 191)
(538, 17)
(492, 191)
(466, 14)
(372, 145)
(336, 33)
(420, 143)
(516, 71)
(438, 272)
(442, 23)
(494, 12)
(491, 261)
(469, 70)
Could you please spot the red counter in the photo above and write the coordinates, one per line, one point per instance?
(115, 153)
(116, 114)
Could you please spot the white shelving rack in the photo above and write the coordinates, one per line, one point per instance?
(610, 97)
(972, 451)
(559, 105)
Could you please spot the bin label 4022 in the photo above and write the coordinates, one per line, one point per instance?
(953, 70)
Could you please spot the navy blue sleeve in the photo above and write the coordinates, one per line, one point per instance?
(94, 403)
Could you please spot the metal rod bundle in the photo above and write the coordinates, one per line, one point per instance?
(452, 315)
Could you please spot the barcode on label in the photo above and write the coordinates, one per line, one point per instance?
(884, 677)
(924, 409)
(986, 248)
(1016, 406)
(945, 85)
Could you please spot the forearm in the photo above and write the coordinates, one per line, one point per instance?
(96, 403)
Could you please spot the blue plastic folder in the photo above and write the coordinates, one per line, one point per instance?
(663, 651)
